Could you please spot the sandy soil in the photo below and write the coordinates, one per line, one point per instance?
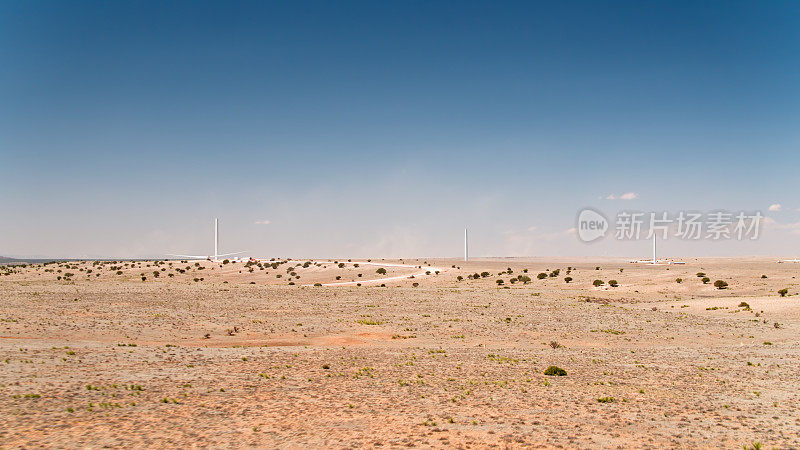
(224, 356)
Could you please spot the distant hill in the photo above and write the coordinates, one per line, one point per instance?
(8, 260)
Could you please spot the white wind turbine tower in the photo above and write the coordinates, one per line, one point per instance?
(654, 261)
(216, 255)
(654, 249)
(466, 246)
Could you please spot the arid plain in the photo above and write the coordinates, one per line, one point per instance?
(231, 355)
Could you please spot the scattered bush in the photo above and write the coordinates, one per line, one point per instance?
(719, 284)
(679, 280)
(705, 280)
(598, 283)
(567, 279)
(613, 283)
(783, 292)
(541, 276)
(555, 371)
(381, 271)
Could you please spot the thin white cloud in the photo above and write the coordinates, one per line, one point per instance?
(775, 207)
(629, 196)
(792, 227)
(625, 196)
(262, 222)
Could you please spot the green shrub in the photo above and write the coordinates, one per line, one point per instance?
(719, 284)
(613, 283)
(679, 280)
(705, 280)
(598, 283)
(555, 371)
(541, 276)
(381, 271)
(567, 279)
(783, 292)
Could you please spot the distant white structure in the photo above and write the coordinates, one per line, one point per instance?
(216, 255)
(466, 246)
(654, 249)
(655, 260)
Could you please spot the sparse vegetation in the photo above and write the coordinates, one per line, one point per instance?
(555, 371)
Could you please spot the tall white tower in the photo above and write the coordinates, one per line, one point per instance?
(654, 249)
(466, 245)
(216, 238)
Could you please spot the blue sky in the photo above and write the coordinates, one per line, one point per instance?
(383, 128)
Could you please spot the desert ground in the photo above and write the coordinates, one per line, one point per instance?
(431, 353)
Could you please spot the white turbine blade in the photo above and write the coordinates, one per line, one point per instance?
(229, 254)
(189, 256)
